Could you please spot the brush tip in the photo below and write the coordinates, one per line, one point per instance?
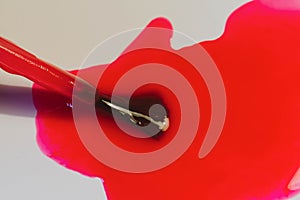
(165, 125)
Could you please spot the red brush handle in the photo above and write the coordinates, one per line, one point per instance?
(16, 60)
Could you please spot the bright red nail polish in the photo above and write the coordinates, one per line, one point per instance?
(257, 153)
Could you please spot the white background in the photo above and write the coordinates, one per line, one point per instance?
(63, 33)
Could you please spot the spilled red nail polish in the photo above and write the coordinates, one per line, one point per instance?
(256, 156)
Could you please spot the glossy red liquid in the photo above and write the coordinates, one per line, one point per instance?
(258, 151)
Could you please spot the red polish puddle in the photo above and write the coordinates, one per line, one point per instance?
(257, 153)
